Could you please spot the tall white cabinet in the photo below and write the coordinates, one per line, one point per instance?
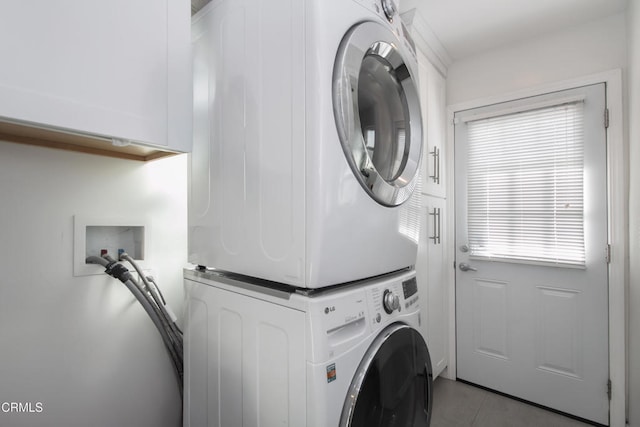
(430, 272)
(119, 69)
(432, 261)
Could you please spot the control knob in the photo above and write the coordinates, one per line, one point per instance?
(390, 301)
(389, 8)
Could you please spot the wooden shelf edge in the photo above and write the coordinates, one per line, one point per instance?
(48, 138)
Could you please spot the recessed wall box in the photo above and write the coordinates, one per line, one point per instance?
(93, 236)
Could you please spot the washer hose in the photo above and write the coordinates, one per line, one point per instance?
(148, 297)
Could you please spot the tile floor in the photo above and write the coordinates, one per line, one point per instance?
(456, 404)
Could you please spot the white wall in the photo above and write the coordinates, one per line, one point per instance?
(80, 345)
(579, 51)
(633, 79)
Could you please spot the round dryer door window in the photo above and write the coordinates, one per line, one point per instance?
(377, 111)
(393, 384)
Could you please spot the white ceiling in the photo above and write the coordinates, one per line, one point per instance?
(466, 27)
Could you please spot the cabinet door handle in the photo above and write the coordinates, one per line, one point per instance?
(439, 219)
(436, 226)
(438, 168)
(436, 165)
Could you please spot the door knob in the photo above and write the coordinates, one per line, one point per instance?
(466, 267)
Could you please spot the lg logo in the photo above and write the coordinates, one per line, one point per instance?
(328, 310)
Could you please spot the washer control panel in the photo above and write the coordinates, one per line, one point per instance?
(390, 301)
(393, 298)
(410, 292)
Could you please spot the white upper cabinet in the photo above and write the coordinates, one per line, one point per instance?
(118, 69)
(433, 104)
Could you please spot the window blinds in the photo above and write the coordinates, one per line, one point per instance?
(525, 186)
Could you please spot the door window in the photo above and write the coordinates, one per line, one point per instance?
(393, 384)
(382, 107)
(378, 113)
(525, 185)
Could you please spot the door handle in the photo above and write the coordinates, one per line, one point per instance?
(466, 267)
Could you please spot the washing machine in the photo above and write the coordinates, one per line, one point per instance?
(307, 140)
(273, 356)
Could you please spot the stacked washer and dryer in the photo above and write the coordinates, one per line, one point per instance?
(303, 309)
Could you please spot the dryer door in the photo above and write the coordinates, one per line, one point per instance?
(377, 112)
(393, 384)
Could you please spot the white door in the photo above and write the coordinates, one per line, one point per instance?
(531, 250)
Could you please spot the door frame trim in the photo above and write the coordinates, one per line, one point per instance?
(617, 186)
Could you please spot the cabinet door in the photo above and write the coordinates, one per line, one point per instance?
(430, 271)
(118, 69)
(433, 104)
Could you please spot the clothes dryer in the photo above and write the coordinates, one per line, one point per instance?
(342, 357)
(307, 140)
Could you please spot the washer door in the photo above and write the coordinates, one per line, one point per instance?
(377, 111)
(393, 384)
